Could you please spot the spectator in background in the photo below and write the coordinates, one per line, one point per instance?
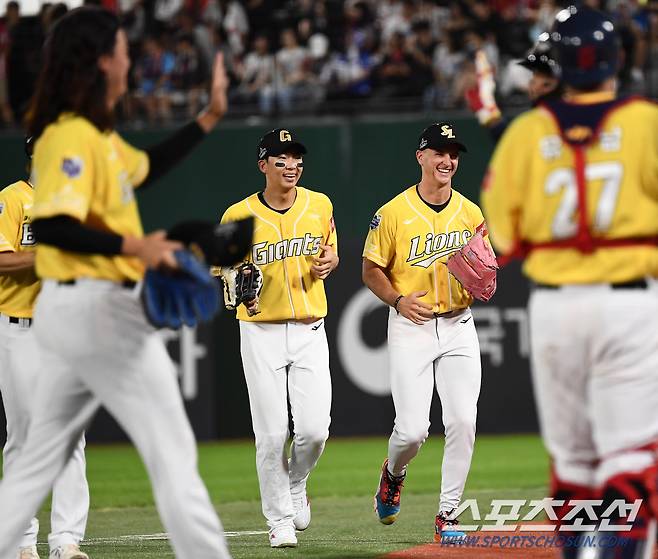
(633, 31)
(348, 74)
(359, 23)
(235, 24)
(292, 77)
(133, 21)
(457, 25)
(399, 20)
(259, 16)
(474, 40)
(652, 58)
(484, 18)
(257, 76)
(24, 57)
(393, 75)
(421, 46)
(219, 43)
(513, 36)
(153, 76)
(436, 15)
(7, 24)
(164, 14)
(448, 63)
(189, 76)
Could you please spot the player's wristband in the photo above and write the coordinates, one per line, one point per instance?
(395, 305)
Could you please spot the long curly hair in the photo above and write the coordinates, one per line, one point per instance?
(70, 79)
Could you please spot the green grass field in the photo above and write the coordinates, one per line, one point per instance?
(341, 488)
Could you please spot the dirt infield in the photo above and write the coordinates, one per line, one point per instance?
(483, 545)
(491, 545)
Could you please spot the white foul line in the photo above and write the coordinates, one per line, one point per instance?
(162, 536)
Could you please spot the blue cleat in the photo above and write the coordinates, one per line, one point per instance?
(446, 529)
(387, 498)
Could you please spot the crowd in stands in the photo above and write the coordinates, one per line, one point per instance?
(320, 56)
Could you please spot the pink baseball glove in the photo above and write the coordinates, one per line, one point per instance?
(475, 266)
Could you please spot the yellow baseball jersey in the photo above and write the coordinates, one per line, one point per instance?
(531, 194)
(89, 175)
(18, 290)
(284, 247)
(412, 242)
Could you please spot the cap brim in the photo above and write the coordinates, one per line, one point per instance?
(537, 66)
(289, 147)
(443, 145)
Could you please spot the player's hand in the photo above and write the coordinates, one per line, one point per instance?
(154, 250)
(218, 104)
(326, 263)
(252, 306)
(412, 308)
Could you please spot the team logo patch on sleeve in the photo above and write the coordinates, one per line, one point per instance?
(72, 167)
(375, 221)
(2, 207)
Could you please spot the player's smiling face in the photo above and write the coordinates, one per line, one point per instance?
(283, 171)
(440, 165)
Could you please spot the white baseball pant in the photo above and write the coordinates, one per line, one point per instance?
(21, 369)
(595, 376)
(101, 351)
(286, 361)
(444, 352)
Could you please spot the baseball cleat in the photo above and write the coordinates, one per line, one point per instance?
(29, 552)
(302, 511)
(68, 551)
(283, 536)
(387, 498)
(446, 528)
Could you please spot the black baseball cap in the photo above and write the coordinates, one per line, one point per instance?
(439, 136)
(279, 141)
(540, 59)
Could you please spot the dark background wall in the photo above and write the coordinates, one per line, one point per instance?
(360, 164)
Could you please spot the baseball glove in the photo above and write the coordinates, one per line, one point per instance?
(242, 284)
(185, 296)
(475, 266)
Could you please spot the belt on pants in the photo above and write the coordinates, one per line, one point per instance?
(128, 284)
(633, 284)
(22, 322)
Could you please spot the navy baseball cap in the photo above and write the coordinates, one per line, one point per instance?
(440, 136)
(279, 141)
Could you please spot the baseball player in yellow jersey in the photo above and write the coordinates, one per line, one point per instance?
(573, 187)
(282, 337)
(20, 370)
(91, 256)
(431, 335)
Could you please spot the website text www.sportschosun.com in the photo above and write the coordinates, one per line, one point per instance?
(537, 542)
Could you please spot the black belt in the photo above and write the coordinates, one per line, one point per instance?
(633, 284)
(128, 284)
(17, 320)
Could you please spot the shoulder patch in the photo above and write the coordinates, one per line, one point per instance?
(2, 207)
(375, 221)
(72, 167)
